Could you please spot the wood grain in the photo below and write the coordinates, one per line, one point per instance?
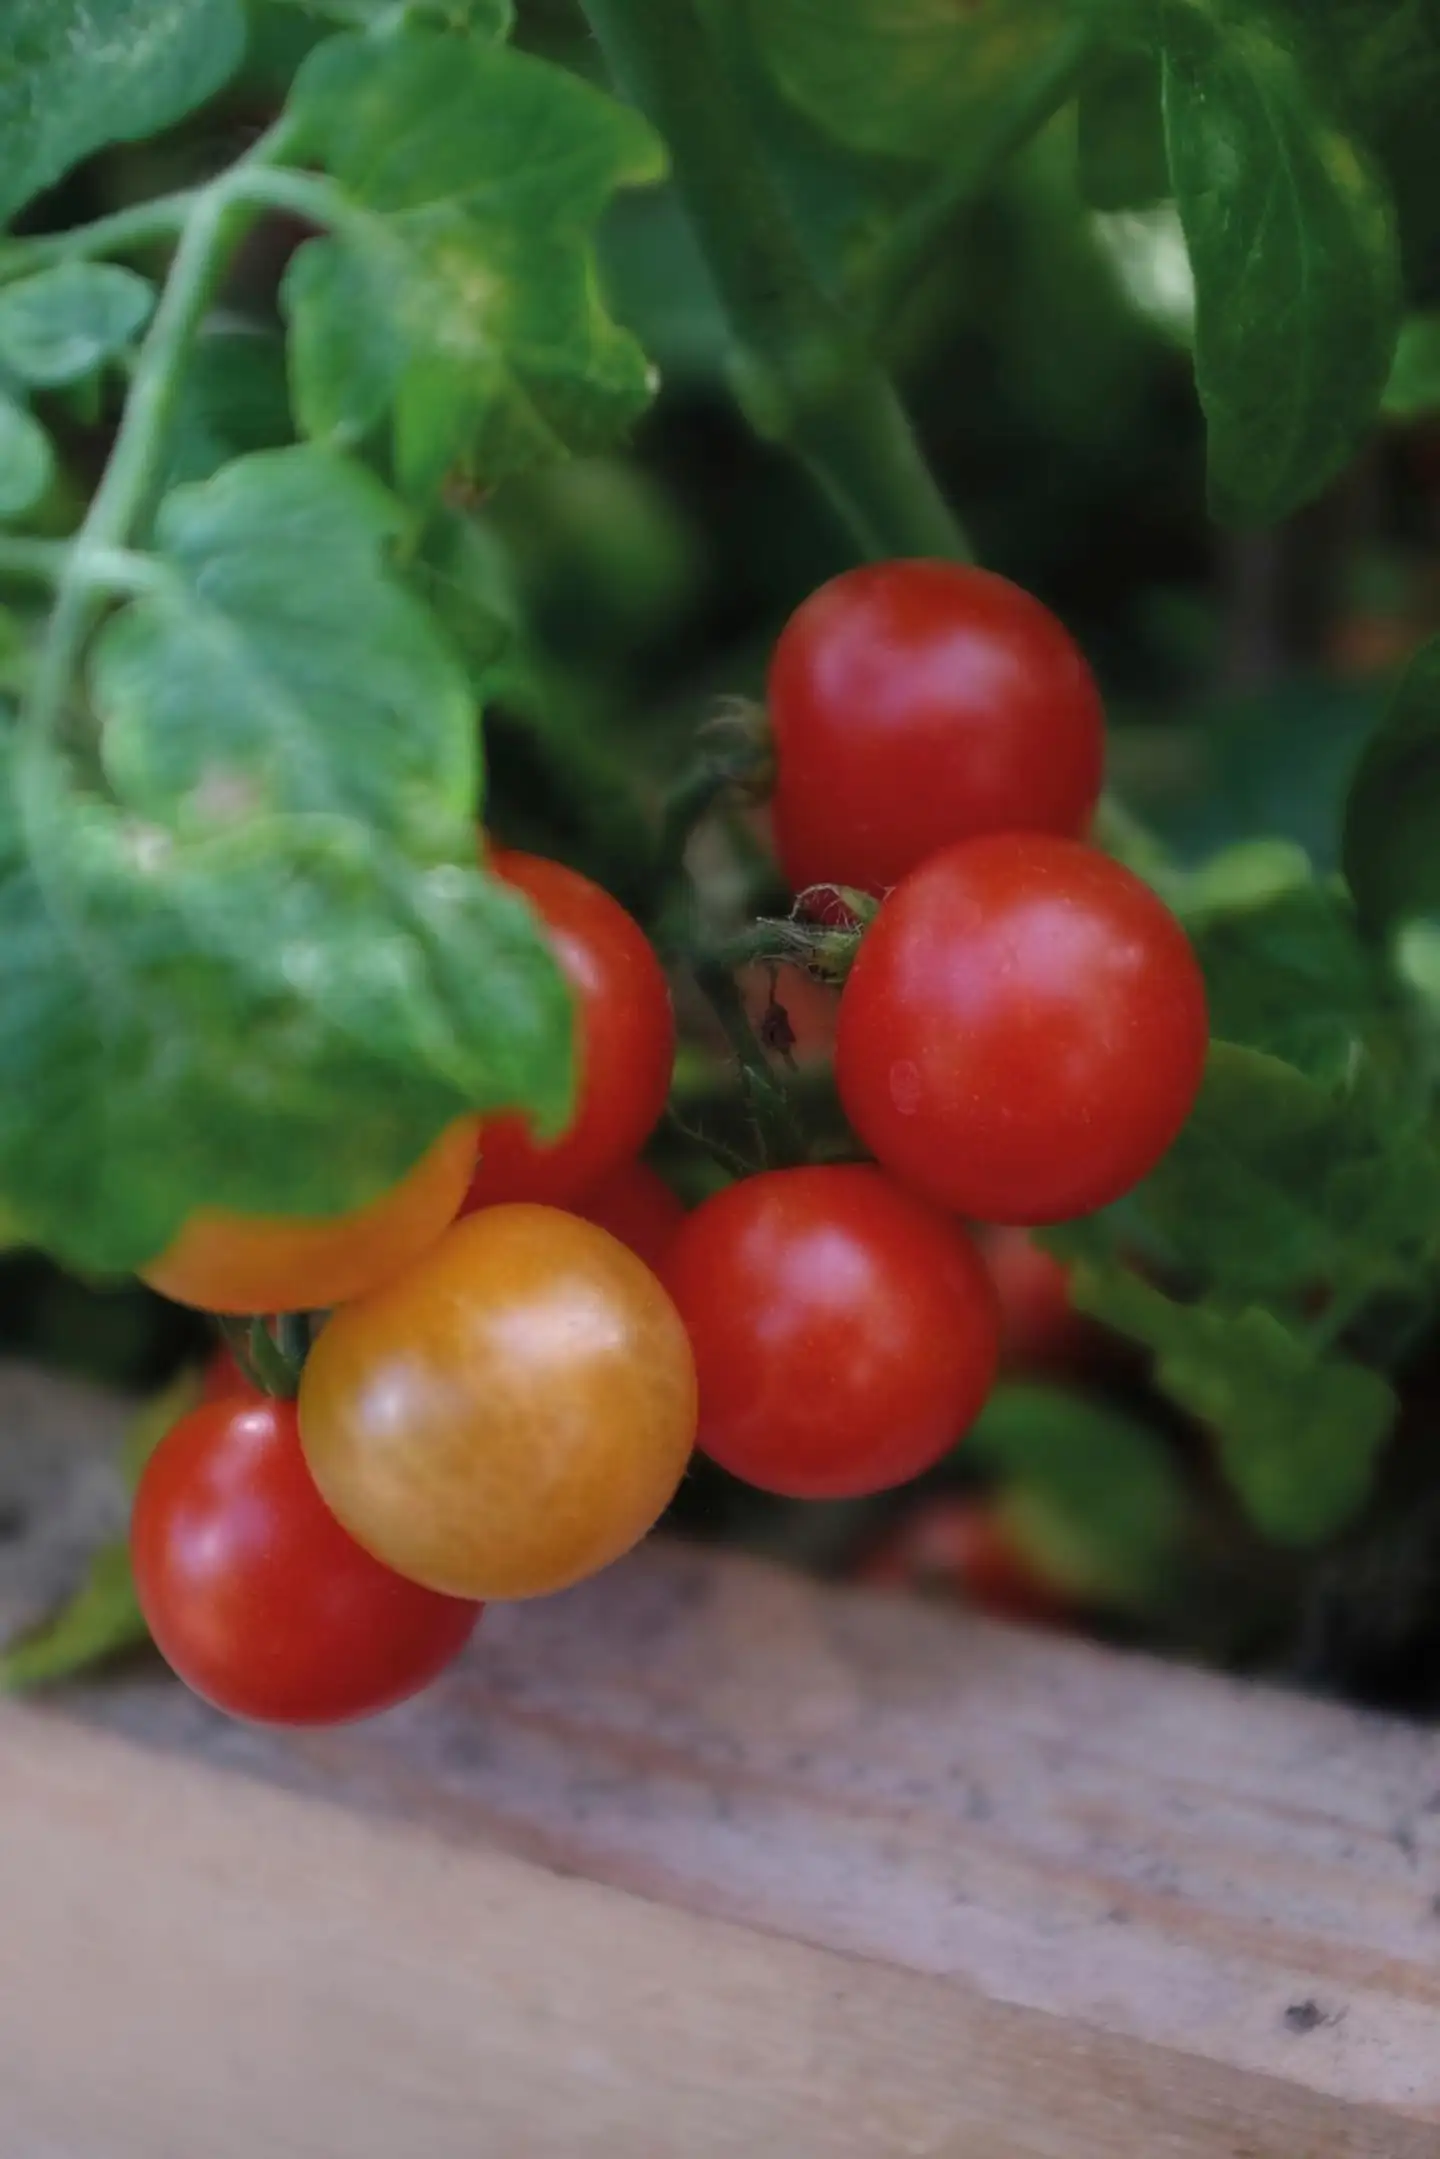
(704, 1860)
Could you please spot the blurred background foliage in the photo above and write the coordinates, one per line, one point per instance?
(1045, 361)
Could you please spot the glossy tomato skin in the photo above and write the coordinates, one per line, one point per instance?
(637, 1206)
(255, 1594)
(1023, 1032)
(918, 703)
(845, 1333)
(232, 1263)
(625, 1042)
(510, 1415)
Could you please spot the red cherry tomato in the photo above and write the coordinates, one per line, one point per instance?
(845, 1334)
(1023, 1032)
(918, 703)
(1040, 1329)
(626, 1043)
(959, 1547)
(224, 1377)
(637, 1207)
(257, 1597)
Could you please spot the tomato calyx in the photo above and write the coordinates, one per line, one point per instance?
(270, 1351)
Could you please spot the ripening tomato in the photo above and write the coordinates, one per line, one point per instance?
(224, 1377)
(845, 1333)
(961, 1547)
(255, 1594)
(914, 704)
(511, 1414)
(236, 1263)
(625, 1043)
(1040, 1329)
(638, 1207)
(1023, 1032)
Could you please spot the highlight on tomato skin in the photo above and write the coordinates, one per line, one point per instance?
(511, 1414)
(845, 1333)
(255, 1595)
(917, 703)
(625, 1046)
(240, 1264)
(1023, 1032)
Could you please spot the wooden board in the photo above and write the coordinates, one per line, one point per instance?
(703, 1860)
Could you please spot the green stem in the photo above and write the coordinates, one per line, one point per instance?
(124, 232)
(804, 376)
(918, 236)
(109, 569)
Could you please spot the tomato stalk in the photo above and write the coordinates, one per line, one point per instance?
(803, 375)
(917, 238)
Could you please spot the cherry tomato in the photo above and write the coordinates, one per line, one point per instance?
(626, 1042)
(511, 1414)
(1023, 1032)
(224, 1377)
(637, 1207)
(918, 703)
(236, 1263)
(1040, 1329)
(255, 1594)
(959, 1547)
(845, 1333)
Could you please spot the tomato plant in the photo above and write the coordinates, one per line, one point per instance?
(626, 1045)
(330, 533)
(638, 1207)
(1024, 1031)
(916, 703)
(845, 1335)
(256, 1595)
(236, 1263)
(508, 1416)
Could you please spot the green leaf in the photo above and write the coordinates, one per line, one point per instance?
(102, 1620)
(1298, 1430)
(1278, 1188)
(234, 398)
(282, 668)
(464, 572)
(62, 324)
(458, 296)
(1289, 973)
(27, 462)
(1121, 134)
(1292, 237)
(1106, 1489)
(1414, 386)
(483, 18)
(275, 1020)
(77, 74)
(907, 77)
(1391, 844)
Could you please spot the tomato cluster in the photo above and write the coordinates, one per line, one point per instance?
(524, 1347)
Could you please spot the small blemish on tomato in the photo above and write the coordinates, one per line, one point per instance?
(905, 1086)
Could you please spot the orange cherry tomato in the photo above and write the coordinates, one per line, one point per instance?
(237, 1263)
(509, 1415)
